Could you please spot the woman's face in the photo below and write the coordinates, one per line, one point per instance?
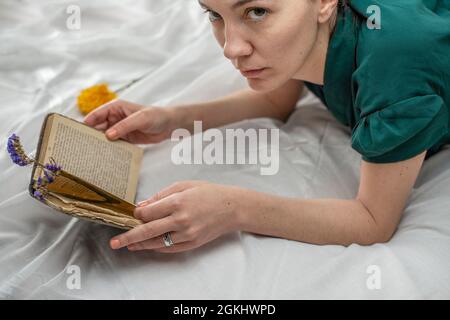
(277, 35)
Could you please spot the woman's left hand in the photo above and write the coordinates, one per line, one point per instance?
(194, 212)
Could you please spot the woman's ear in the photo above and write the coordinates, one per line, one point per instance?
(327, 8)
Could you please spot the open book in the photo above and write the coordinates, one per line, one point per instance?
(99, 177)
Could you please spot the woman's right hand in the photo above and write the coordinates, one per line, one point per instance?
(132, 122)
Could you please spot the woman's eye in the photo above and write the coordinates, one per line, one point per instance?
(213, 16)
(257, 13)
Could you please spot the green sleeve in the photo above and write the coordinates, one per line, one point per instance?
(402, 130)
(400, 81)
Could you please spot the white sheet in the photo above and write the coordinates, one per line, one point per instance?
(43, 66)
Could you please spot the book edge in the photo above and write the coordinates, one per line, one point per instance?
(38, 151)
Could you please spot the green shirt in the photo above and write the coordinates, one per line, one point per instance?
(390, 85)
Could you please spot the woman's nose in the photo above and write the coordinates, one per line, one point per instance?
(235, 46)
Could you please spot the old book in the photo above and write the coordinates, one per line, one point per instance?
(99, 177)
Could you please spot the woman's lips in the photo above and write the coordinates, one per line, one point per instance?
(252, 73)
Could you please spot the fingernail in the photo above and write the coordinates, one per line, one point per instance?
(142, 203)
(112, 133)
(115, 244)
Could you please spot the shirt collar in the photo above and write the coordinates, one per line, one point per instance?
(340, 65)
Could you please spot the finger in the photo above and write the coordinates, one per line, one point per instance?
(142, 233)
(158, 242)
(100, 114)
(138, 137)
(156, 210)
(174, 188)
(102, 126)
(185, 246)
(135, 121)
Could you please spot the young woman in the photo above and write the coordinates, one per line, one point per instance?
(381, 67)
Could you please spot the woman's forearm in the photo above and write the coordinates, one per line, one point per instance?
(238, 106)
(241, 105)
(317, 221)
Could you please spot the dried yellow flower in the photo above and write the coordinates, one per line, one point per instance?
(93, 97)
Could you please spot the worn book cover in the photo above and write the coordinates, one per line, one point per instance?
(99, 177)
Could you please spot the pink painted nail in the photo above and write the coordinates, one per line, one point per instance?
(115, 244)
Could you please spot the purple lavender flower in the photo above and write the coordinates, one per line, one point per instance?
(53, 167)
(49, 176)
(16, 152)
(38, 195)
(18, 156)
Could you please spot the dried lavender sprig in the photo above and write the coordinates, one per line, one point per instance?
(38, 195)
(18, 156)
(16, 152)
(51, 170)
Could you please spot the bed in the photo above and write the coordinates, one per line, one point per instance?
(168, 47)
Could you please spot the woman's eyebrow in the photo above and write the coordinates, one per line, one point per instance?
(238, 3)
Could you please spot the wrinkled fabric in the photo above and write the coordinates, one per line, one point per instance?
(43, 66)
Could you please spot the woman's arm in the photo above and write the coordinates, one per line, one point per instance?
(138, 124)
(244, 104)
(197, 212)
(370, 218)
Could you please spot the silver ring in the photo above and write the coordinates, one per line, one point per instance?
(167, 239)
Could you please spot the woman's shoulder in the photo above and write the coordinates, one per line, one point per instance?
(401, 77)
(410, 36)
(403, 25)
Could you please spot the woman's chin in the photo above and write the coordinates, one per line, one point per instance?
(261, 84)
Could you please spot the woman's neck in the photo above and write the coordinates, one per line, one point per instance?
(313, 69)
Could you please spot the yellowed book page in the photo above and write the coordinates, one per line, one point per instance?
(86, 153)
(92, 215)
